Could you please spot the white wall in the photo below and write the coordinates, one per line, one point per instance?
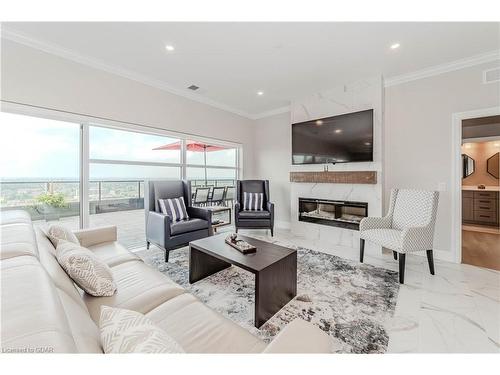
(272, 157)
(33, 77)
(418, 123)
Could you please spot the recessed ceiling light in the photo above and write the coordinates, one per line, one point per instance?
(468, 145)
(319, 122)
(169, 47)
(338, 131)
(368, 144)
(395, 45)
(496, 144)
(260, 93)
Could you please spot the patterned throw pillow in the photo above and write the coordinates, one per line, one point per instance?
(175, 208)
(56, 232)
(88, 272)
(253, 201)
(125, 331)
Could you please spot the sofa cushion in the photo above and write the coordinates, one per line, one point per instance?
(139, 288)
(57, 232)
(17, 237)
(126, 331)
(254, 215)
(33, 317)
(112, 253)
(199, 329)
(88, 272)
(188, 226)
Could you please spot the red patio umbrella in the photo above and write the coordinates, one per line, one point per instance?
(195, 147)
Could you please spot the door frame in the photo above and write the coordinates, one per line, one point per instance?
(456, 178)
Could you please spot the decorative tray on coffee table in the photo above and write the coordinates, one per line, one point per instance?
(240, 245)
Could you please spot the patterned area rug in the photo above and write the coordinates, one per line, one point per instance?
(350, 301)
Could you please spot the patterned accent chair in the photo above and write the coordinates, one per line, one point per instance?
(407, 227)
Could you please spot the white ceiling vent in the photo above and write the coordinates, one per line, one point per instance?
(491, 75)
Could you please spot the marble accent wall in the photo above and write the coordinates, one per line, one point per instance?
(352, 97)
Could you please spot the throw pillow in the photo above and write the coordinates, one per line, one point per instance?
(57, 232)
(175, 208)
(88, 272)
(125, 331)
(253, 201)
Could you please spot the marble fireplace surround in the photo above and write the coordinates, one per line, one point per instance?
(352, 97)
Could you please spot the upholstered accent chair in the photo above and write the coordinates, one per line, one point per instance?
(161, 230)
(407, 227)
(251, 218)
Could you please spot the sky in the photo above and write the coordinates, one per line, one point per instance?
(32, 147)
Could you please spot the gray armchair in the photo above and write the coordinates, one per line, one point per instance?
(253, 219)
(160, 230)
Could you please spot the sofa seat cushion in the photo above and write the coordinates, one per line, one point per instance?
(199, 329)
(186, 226)
(17, 237)
(254, 215)
(112, 253)
(139, 288)
(389, 238)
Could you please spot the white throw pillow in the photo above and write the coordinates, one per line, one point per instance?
(126, 331)
(57, 232)
(88, 272)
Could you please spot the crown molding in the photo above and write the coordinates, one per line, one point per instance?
(272, 112)
(53, 49)
(443, 68)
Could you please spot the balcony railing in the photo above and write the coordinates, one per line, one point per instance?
(104, 195)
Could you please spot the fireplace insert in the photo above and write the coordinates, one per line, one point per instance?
(344, 214)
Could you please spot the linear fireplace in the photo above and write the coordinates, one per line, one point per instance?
(342, 214)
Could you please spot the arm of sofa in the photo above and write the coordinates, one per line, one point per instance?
(158, 228)
(95, 236)
(300, 336)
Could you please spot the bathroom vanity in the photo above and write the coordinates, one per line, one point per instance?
(480, 206)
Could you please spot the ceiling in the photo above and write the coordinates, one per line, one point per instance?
(231, 62)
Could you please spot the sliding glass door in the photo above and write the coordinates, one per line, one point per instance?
(39, 168)
(88, 175)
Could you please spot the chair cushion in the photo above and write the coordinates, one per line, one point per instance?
(88, 272)
(254, 215)
(139, 287)
(126, 331)
(389, 238)
(188, 226)
(199, 329)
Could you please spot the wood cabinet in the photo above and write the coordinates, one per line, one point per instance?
(480, 207)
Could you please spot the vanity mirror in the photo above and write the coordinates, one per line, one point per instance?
(492, 165)
(468, 165)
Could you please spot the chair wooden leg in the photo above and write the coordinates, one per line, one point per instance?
(430, 260)
(402, 258)
(395, 255)
(361, 249)
(147, 245)
(272, 232)
(167, 253)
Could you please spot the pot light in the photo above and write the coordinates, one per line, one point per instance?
(169, 48)
(260, 93)
(395, 45)
(496, 144)
(468, 145)
(368, 144)
(338, 131)
(319, 122)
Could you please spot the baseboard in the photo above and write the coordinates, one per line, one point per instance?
(282, 224)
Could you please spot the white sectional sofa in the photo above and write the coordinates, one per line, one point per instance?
(42, 310)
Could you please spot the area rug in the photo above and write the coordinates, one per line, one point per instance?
(350, 301)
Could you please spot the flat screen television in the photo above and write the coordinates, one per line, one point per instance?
(345, 138)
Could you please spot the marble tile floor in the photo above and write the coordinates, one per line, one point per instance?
(455, 311)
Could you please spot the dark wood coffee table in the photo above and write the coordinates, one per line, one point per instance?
(274, 267)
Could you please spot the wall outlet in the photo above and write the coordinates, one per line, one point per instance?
(442, 186)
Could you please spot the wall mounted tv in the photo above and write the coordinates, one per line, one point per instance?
(338, 139)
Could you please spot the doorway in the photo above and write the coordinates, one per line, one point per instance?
(480, 191)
